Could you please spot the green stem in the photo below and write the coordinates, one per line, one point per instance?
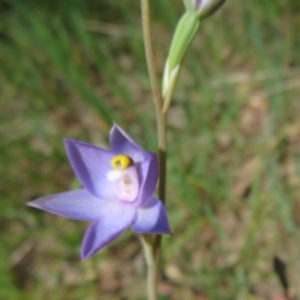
(147, 242)
(150, 56)
(151, 244)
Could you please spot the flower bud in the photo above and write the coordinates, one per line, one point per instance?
(203, 8)
(183, 36)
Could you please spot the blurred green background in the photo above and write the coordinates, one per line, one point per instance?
(69, 68)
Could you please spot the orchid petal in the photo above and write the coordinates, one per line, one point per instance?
(151, 219)
(77, 204)
(122, 143)
(91, 165)
(149, 177)
(113, 220)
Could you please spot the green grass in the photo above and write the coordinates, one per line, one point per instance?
(69, 68)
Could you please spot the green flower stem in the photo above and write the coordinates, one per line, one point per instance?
(151, 244)
(184, 34)
(148, 242)
(149, 55)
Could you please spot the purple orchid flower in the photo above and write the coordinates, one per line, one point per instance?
(118, 187)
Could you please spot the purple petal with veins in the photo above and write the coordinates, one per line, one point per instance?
(78, 204)
(115, 218)
(90, 165)
(149, 176)
(151, 219)
(122, 143)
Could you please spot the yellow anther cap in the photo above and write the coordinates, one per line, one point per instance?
(121, 162)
